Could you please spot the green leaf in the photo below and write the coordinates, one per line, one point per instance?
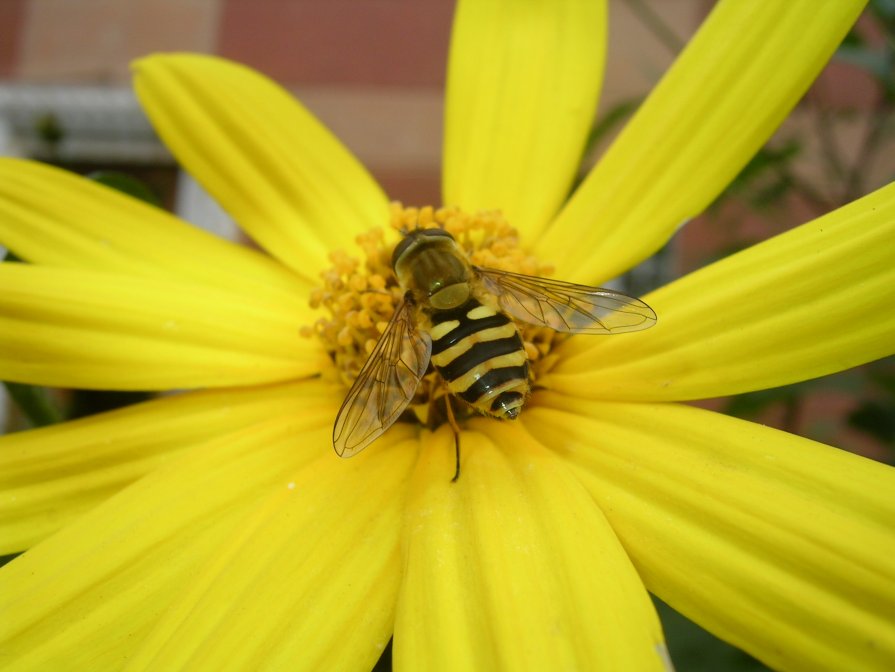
(872, 60)
(693, 649)
(882, 374)
(35, 404)
(884, 11)
(126, 184)
(875, 418)
(766, 159)
(610, 121)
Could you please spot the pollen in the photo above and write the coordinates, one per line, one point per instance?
(358, 296)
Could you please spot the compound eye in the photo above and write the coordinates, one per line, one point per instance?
(401, 248)
(408, 240)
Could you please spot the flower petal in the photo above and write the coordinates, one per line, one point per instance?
(777, 544)
(106, 589)
(313, 574)
(86, 596)
(812, 301)
(523, 82)
(276, 169)
(513, 566)
(731, 87)
(73, 328)
(52, 217)
(53, 475)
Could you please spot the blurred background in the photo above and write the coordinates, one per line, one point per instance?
(374, 72)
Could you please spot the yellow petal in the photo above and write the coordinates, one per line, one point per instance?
(276, 169)
(513, 567)
(86, 596)
(523, 81)
(313, 575)
(777, 544)
(731, 87)
(73, 328)
(51, 476)
(107, 590)
(52, 217)
(809, 302)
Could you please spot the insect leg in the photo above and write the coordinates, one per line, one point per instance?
(453, 423)
(435, 394)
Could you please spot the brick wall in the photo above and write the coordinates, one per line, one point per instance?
(372, 70)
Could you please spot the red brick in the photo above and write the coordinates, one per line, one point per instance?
(411, 187)
(95, 40)
(337, 42)
(12, 27)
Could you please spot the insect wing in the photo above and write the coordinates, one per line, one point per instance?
(384, 386)
(565, 306)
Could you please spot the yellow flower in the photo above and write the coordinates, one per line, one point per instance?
(216, 529)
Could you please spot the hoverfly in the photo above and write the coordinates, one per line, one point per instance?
(457, 317)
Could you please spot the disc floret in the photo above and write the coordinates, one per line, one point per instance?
(359, 296)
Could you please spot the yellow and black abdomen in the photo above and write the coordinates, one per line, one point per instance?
(480, 355)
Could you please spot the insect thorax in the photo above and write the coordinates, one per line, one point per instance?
(434, 269)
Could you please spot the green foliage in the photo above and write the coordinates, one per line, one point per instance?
(609, 122)
(48, 128)
(693, 649)
(126, 184)
(767, 178)
(874, 418)
(878, 60)
(35, 403)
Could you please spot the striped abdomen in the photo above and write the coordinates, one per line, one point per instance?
(479, 354)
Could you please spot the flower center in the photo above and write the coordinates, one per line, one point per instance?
(359, 296)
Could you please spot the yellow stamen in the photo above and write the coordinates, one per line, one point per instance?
(359, 296)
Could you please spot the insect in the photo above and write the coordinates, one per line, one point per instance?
(457, 317)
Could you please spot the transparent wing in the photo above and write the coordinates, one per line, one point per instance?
(384, 386)
(565, 306)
